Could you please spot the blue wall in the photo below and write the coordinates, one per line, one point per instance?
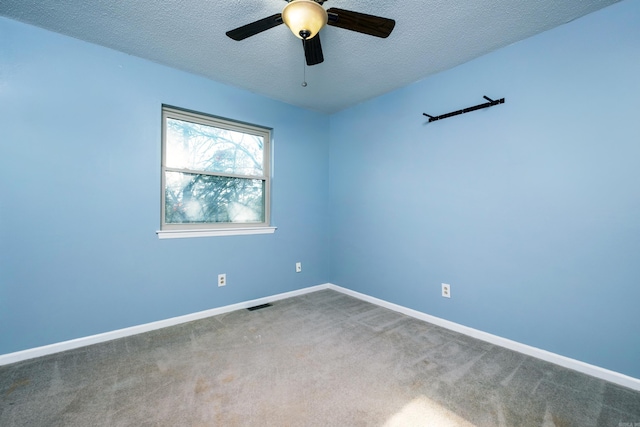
(530, 210)
(80, 194)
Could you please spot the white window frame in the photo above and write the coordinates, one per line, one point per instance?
(169, 231)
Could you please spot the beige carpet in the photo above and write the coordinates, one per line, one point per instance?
(322, 359)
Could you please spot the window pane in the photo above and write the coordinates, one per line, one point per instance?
(195, 198)
(207, 148)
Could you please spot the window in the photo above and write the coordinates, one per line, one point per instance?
(215, 176)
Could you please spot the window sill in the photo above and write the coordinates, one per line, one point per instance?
(181, 234)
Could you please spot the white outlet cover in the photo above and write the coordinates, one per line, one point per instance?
(446, 290)
(298, 267)
(222, 279)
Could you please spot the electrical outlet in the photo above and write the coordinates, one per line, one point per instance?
(446, 290)
(222, 279)
(298, 267)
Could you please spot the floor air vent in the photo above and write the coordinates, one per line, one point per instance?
(258, 307)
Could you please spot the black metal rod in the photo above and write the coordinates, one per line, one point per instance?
(491, 103)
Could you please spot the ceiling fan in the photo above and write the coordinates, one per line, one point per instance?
(305, 18)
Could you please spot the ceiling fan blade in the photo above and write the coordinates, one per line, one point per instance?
(361, 22)
(313, 50)
(256, 27)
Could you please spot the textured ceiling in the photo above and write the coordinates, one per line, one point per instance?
(430, 36)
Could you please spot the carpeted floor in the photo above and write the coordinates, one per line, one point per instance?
(321, 359)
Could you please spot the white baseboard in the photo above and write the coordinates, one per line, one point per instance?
(32, 353)
(576, 365)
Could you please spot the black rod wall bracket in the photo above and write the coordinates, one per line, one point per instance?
(491, 103)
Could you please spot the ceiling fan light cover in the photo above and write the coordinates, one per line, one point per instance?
(304, 15)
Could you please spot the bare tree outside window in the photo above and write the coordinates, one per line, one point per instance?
(215, 172)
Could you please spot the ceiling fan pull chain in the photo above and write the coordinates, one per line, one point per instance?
(304, 65)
